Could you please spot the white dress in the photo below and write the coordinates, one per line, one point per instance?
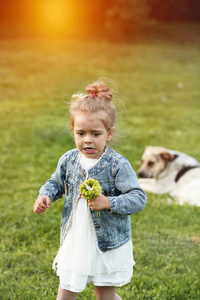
(79, 260)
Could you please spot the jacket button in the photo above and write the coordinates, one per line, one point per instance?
(104, 248)
(97, 226)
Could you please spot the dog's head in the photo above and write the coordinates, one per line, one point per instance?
(154, 161)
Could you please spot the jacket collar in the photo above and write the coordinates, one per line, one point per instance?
(103, 161)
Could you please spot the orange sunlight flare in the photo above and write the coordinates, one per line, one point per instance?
(55, 17)
(52, 18)
(54, 13)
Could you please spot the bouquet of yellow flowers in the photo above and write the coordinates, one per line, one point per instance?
(90, 189)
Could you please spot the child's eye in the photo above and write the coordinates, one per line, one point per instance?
(96, 134)
(80, 133)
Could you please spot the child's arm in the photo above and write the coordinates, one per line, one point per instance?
(131, 198)
(54, 187)
(41, 204)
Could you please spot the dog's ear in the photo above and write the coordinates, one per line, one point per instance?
(168, 156)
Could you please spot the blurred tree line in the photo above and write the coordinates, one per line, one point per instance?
(97, 16)
(129, 15)
(160, 10)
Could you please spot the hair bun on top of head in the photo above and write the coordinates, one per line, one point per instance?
(99, 89)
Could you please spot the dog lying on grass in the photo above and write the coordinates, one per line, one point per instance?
(167, 171)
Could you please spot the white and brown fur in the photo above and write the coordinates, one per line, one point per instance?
(168, 171)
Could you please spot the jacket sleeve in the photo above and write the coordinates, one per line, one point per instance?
(132, 198)
(54, 188)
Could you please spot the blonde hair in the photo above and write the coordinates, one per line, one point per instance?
(98, 98)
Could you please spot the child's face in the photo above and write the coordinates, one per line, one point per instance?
(90, 135)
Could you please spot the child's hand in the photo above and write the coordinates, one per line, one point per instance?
(41, 204)
(100, 202)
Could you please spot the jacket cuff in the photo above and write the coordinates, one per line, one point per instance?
(48, 194)
(113, 205)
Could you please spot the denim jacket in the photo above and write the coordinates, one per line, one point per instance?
(119, 184)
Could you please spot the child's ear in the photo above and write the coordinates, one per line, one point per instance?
(110, 133)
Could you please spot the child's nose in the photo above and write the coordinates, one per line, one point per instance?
(88, 139)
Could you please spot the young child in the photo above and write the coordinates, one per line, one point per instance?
(95, 235)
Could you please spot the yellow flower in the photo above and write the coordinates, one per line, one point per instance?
(90, 189)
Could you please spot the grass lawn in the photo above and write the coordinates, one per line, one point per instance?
(159, 104)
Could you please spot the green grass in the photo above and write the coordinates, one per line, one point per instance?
(37, 78)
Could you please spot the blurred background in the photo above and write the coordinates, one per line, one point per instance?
(114, 19)
(50, 49)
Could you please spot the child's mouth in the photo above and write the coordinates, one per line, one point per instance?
(89, 150)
